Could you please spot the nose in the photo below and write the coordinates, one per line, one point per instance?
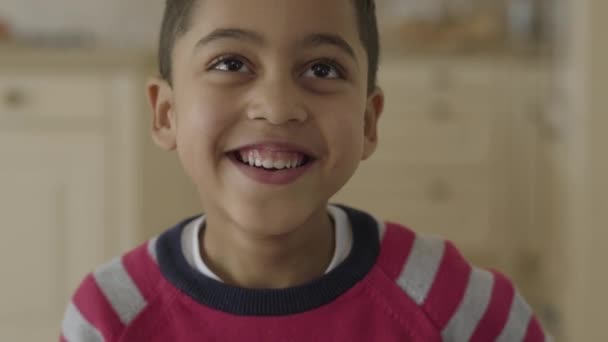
(277, 102)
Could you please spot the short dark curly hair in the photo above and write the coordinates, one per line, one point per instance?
(176, 21)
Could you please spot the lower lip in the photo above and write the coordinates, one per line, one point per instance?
(282, 177)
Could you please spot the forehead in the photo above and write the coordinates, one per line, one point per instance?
(279, 21)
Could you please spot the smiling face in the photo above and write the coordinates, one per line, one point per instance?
(268, 109)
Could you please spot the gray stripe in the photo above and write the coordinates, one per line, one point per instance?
(472, 308)
(120, 290)
(76, 328)
(152, 249)
(421, 267)
(517, 323)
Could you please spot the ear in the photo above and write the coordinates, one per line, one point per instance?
(375, 106)
(164, 123)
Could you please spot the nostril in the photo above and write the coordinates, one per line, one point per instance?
(280, 115)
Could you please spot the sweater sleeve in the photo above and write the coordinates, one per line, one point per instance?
(111, 297)
(465, 303)
(486, 305)
(89, 316)
(491, 309)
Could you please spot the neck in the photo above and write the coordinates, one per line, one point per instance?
(247, 260)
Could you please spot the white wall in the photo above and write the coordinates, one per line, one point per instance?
(115, 22)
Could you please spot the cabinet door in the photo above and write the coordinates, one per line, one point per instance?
(52, 206)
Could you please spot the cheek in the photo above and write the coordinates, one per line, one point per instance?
(344, 133)
(204, 120)
(202, 128)
(347, 123)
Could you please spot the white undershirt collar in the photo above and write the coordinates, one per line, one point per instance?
(343, 242)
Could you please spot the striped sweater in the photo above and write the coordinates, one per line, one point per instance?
(394, 286)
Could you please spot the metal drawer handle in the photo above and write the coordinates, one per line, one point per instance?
(15, 98)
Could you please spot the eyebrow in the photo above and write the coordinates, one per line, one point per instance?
(230, 33)
(313, 40)
(335, 40)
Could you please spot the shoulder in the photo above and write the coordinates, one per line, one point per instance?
(112, 296)
(464, 302)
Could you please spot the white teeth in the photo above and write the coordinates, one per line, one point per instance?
(279, 164)
(257, 160)
(268, 164)
(253, 158)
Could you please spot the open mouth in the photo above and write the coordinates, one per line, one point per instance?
(275, 161)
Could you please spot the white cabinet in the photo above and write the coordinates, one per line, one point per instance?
(53, 225)
(80, 180)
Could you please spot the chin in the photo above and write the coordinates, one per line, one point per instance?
(274, 220)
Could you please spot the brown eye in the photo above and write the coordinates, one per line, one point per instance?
(230, 64)
(323, 71)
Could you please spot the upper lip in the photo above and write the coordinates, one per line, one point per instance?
(277, 146)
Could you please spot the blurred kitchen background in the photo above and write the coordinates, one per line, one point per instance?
(493, 137)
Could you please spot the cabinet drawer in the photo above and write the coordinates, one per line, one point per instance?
(51, 95)
(491, 80)
(438, 130)
(442, 76)
(454, 202)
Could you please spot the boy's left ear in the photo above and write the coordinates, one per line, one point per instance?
(375, 106)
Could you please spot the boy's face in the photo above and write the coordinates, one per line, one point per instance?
(281, 81)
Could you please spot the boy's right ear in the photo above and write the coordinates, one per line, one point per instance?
(164, 123)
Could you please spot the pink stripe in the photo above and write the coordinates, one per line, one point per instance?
(448, 288)
(497, 313)
(96, 309)
(535, 332)
(143, 270)
(62, 339)
(395, 249)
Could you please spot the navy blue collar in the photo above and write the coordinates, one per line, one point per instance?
(272, 302)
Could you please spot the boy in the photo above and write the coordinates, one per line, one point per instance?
(271, 105)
